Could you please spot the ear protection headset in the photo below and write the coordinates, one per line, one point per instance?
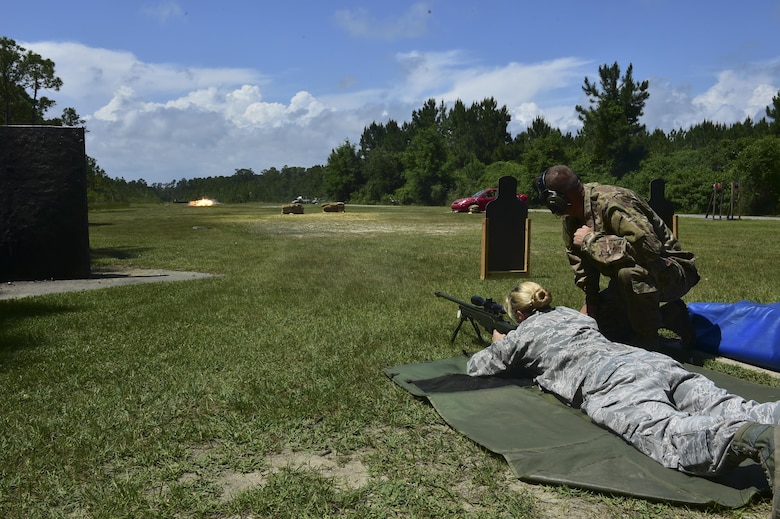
(556, 202)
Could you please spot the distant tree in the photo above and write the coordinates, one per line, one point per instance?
(763, 128)
(39, 75)
(314, 181)
(99, 188)
(342, 175)
(244, 174)
(381, 148)
(773, 112)
(382, 170)
(499, 169)
(659, 142)
(273, 187)
(757, 168)
(70, 117)
(426, 180)
(544, 146)
(742, 129)
(21, 70)
(611, 129)
(11, 76)
(490, 130)
(429, 116)
(458, 132)
(468, 179)
(479, 132)
(699, 135)
(375, 136)
(687, 176)
(540, 129)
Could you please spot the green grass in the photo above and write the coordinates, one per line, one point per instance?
(145, 400)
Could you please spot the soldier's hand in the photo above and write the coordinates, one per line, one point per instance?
(580, 234)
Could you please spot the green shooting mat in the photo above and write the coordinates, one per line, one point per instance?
(546, 441)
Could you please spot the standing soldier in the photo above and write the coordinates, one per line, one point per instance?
(611, 231)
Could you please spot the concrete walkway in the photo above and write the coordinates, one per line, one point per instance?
(100, 279)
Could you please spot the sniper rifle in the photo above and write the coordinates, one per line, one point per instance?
(486, 312)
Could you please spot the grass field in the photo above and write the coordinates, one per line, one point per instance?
(260, 392)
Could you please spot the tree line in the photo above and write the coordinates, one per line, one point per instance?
(445, 152)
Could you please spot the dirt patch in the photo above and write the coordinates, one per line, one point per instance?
(347, 472)
(99, 279)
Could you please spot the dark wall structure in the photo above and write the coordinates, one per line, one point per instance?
(44, 227)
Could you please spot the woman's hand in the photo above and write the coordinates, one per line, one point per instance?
(497, 336)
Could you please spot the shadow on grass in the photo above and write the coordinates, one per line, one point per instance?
(117, 253)
(16, 310)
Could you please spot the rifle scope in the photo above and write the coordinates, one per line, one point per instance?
(488, 304)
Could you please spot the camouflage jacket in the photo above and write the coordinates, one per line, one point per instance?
(564, 351)
(626, 231)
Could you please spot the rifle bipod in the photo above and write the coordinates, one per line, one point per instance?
(470, 319)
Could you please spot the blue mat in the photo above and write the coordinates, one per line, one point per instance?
(745, 331)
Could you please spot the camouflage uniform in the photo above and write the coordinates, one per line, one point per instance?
(632, 246)
(678, 418)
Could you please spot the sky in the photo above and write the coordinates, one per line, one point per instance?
(180, 89)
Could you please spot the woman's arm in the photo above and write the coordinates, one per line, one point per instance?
(498, 357)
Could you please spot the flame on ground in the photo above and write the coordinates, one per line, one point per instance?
(203, 202)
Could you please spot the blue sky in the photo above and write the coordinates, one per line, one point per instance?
(176, 89)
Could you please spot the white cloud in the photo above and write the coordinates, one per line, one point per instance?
(425, 74)
(114, 108)
(362, 24)
(550, 89)
(563, 117)
(164, 11)
(162, 122)
(210, 133)
(735, 96)
(204, 99)
(516, 83)
(90, 75)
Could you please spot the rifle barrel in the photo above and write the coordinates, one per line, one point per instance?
(453, 299)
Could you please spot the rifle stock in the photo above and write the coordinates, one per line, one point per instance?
(485, 312)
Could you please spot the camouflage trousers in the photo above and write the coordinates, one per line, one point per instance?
(680, 419)
(630, 304)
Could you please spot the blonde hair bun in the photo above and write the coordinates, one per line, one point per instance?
(541, 298)
(527, 298)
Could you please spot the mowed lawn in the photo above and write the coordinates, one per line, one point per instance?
(260, 392)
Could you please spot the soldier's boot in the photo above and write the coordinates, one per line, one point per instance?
(760, 443)
(675, 317)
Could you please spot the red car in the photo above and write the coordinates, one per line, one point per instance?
(481, 199)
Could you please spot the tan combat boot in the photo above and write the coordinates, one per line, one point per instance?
(759, 442)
